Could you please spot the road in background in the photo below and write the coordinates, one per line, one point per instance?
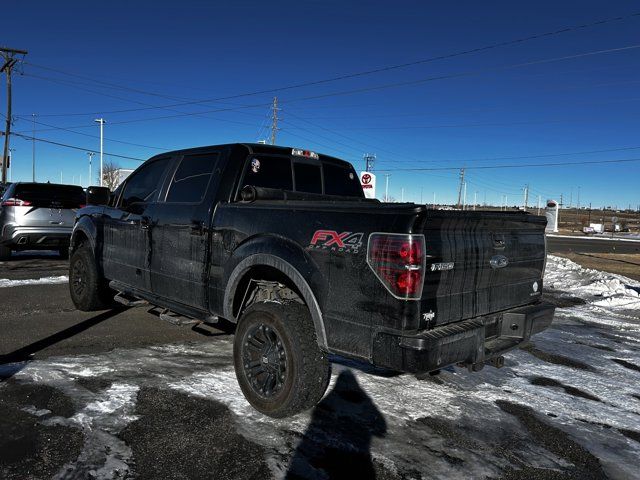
(558, 244)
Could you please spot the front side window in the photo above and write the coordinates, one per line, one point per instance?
(143, 185)
(269, 172)
(190, 182)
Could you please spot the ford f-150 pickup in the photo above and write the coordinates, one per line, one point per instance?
(283, 243)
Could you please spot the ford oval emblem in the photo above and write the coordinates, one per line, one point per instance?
(498, 261)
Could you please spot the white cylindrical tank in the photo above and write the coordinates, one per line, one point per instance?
(552, 213)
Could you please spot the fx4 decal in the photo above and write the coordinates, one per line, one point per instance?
(350, 242)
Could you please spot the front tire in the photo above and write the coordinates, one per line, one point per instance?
(279, 366)
(89, 290)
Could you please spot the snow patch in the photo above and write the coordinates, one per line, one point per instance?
(7, 283)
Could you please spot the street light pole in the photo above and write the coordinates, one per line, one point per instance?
(101, 122)
(33, 150)
(90, 154)
(10, 163)
(386, 190)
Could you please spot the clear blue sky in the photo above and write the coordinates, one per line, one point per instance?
(158, 53)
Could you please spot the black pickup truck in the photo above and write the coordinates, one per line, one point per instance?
(283, 243)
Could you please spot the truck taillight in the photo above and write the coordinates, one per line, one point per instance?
(398, 260)
(15, 202)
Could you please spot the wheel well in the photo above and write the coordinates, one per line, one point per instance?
(261, 277)
(79, 238)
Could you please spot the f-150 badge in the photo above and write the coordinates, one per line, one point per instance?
(441, 267)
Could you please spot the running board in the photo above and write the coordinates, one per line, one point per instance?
(123, 299)
(177, 319)
(181, 320)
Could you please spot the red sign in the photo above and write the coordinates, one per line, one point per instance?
(366, 178)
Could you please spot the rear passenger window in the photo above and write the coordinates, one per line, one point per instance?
(340, 180)
(308, 178)
(190, 182)
(269, 172)
(143, 184)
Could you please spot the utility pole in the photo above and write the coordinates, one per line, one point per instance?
(464, 205)
(90, 155)
(561, 204)
(274, 120)
(386, 189)
(101, 122)
(369, 158)
(8, 55)
(578, 198)
(526, 197)
(475, 199)
(538, 204)
(460, 186)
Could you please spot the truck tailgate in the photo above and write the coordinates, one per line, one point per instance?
(480, 262)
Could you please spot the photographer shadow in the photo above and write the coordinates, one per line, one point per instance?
(337, 442)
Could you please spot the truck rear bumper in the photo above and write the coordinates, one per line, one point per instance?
(471, 342)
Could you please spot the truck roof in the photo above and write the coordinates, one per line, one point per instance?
(251, 148)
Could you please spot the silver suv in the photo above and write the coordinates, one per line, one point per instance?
(38, 216)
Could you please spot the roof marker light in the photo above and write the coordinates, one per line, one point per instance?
(298, 152)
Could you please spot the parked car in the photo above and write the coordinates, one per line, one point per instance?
(282, 243)
(38, 216)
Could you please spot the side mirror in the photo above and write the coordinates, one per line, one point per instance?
(98, 195)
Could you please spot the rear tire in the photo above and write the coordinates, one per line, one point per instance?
(279, 366)
(89, 290)
(5, 253)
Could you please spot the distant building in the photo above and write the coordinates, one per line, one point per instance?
(122, 173)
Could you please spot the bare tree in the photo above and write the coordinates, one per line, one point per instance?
(110, 175)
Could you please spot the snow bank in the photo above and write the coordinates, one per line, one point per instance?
(5, 282)
(595, 287)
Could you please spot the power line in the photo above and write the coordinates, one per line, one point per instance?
(366, 89)
(181, 113)
(53, 127)
(522, 165)
(409, 83)
(467, 73)
(75, 147)
(524, 157)
(372, 71)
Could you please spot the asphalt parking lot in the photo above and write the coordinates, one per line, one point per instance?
(122, 394)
